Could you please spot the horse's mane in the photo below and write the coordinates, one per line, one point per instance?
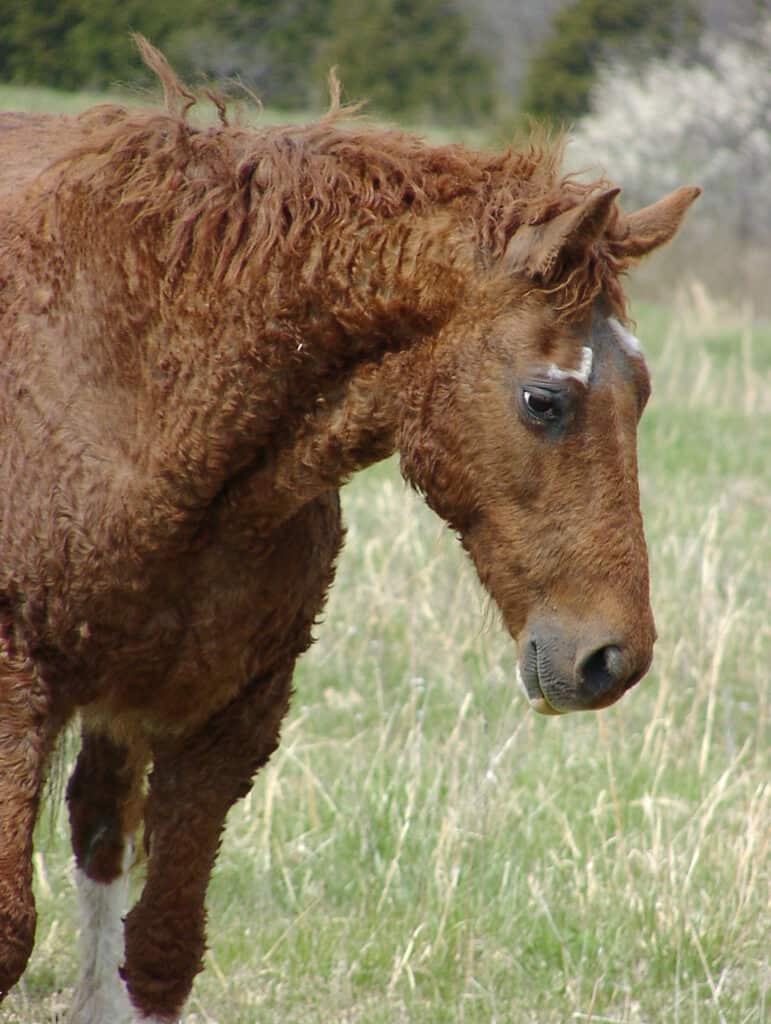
(232, 196)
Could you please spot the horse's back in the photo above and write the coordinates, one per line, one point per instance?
(28, 144)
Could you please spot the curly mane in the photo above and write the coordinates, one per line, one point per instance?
(231, 198)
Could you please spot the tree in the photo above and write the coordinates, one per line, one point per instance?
(406, 56)
(270, 45)
(584, 33)
(73, 44)
(708, 122)
(409, 57)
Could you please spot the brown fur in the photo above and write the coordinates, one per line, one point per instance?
(205, 331)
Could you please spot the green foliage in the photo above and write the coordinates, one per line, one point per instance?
(83, 43)
(72, 44)
(404, 56)
(562, 73)
(270, 46)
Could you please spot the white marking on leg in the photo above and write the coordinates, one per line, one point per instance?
(625, 338)
(582, 374)
(100, 996)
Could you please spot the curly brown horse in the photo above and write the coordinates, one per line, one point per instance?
(204, 331)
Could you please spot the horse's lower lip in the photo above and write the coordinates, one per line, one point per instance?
(543, 707)
(537, 700)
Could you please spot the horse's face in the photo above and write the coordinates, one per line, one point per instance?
(524, 440)
(528, 448)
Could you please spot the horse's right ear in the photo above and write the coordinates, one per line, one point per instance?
(537, 249)
(654, 225)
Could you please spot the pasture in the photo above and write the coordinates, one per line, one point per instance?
(424, 849)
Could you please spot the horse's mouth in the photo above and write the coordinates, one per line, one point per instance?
(531, 684)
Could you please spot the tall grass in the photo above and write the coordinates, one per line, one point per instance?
(423, 848)
(39, 99)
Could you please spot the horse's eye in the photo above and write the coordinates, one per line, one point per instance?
(545, 408)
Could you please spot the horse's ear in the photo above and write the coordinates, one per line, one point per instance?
(536, 249)
(654, 225)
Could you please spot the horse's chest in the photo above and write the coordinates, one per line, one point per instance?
(196, 632)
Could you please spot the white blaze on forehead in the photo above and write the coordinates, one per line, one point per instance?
(625, 338)
(582, 374)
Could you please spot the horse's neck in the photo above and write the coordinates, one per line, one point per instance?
(318, 354)
(373, 299)
(283, 382)
(358, 428)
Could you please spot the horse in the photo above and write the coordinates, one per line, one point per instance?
(205, 330)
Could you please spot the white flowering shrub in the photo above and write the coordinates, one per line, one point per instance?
(706, 123)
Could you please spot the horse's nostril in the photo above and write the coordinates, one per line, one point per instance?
(571, 669)
(601, 670)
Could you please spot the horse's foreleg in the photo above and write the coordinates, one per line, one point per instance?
(194, 783)
(26, 732)
(104, 796)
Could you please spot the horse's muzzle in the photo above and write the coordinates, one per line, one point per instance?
(561, 671)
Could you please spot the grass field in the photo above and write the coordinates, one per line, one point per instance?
(425, 849)
(42, 100)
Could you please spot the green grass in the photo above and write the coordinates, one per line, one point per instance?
(40, 99)
(56, 101)
(425, 849)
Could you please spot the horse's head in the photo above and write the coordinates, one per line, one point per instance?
(522, 435)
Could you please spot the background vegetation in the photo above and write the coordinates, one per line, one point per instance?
(655, 126)
(586, 33)
(408, 56)
(456, 60)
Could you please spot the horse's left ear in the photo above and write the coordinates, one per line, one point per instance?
(647, 229)
(537, 249)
